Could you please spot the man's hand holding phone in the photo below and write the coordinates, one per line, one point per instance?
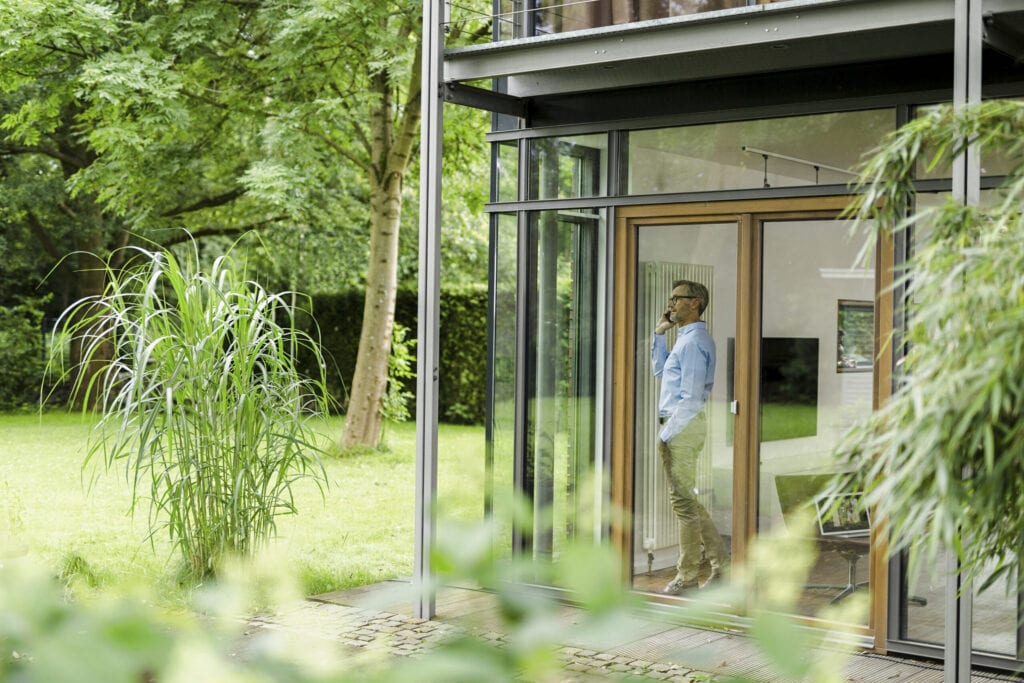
(665, 323)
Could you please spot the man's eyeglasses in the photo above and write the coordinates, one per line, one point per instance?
(676, 297)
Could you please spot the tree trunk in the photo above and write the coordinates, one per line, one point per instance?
(393, 137)
(369, 383)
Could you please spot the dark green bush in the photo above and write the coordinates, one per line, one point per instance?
(462, 355)
(22, 353)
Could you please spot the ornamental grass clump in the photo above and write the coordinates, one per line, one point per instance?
(194, 374)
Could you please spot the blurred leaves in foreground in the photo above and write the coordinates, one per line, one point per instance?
(45, 635)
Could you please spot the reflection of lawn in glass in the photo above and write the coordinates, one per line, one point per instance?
(780, 421)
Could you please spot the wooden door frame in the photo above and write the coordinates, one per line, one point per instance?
(747, 215)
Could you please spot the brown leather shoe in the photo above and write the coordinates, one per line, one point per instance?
(716, 576)
(677, 586)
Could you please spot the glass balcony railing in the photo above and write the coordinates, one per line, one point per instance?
(526, 18)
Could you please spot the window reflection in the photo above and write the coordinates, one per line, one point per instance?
(500, 467)
(822, 149)
(558, 16)
(569, 167)
(561, 456)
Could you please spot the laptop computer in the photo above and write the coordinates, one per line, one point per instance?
(848, 519)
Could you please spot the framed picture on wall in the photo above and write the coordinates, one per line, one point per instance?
(855, 336)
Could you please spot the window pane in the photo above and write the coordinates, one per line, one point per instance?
(506, 171)
(995, 614)
(570, 167)
(813, 388)
(702, 452)
(794, 151)
(501, 445)
(564, 329)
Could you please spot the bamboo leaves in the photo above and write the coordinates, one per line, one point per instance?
(942, 460)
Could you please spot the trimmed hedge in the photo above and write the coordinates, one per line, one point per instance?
(462, 354)
(22, 354)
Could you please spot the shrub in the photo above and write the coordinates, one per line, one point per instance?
(22, 354)
(462, 355)
(201, 401)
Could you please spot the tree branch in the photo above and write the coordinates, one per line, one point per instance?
(206, 203)
(71, 53)
(358, 129)
(410, 121)
(43, 236)
(67, 210)
(361, 163)
(13, 150)
(183, 236)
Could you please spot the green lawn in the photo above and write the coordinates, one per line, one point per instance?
(361, 532)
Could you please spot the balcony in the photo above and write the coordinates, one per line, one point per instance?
(602, 45)
(561, 16)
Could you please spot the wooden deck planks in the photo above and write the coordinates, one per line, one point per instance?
(646, 637)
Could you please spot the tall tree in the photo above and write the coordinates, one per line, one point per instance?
(114, 128)
(152, 117)
(388, 91)
(354, 95)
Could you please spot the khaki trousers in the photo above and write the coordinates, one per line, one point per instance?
(696, 529)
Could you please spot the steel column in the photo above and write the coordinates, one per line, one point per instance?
(429, 305)
(967, 36)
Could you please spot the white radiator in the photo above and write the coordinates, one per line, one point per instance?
(655, 526)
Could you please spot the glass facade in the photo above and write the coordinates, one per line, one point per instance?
(555, 462)
(823, 149)
(568, 167)
(815, 375)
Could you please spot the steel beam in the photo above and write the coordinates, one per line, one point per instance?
(488, 100)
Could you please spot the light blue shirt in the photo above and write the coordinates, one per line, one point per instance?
(687, 375)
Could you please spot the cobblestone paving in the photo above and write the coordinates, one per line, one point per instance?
(398, 635)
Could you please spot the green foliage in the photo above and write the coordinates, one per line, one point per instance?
(400, 370)
(120, 120)
(22, 354)
(74, 567)
(462, 354)
(201, 400)
(117, 629)
(941, 461)
(764, 592)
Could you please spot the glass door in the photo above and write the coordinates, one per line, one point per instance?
(816, 372)
(786, 321)
(679, 260)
